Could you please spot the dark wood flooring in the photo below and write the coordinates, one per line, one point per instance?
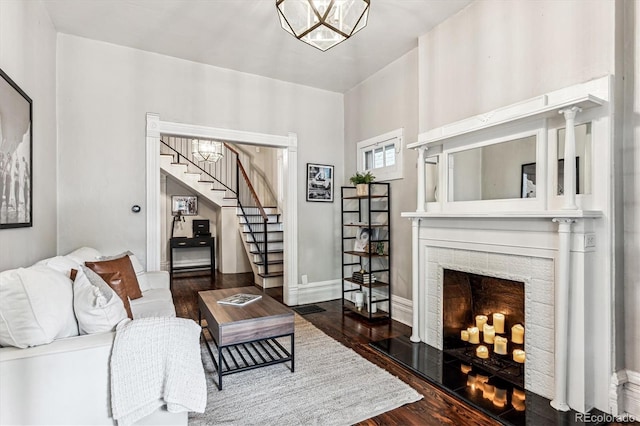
(436, 408)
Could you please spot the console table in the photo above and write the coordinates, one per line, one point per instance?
(195, 242)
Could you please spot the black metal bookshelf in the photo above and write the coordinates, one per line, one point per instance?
(367, 269)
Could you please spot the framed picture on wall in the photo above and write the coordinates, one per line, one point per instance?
(528, 180)
(319, 182)
(186, 205)
(16, 145)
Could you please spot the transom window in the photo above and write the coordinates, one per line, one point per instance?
(382, 155)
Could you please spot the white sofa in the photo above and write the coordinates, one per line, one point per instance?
(67, 381)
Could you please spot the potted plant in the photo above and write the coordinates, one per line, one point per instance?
(362, 181)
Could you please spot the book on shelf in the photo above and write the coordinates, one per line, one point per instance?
(363, 278)
(240, 299)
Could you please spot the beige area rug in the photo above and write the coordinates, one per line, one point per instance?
(331, 385)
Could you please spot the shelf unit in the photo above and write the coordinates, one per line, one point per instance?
(369, 215)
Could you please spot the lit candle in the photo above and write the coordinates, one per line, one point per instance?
(488, 333)
(500, 397)
(518, 394)
(500, 345)
(465, 368)
(519, 356)
(488, 391)
(474, 335)
(471, 381)
(517, 334)
(498, 323)
(464, 335)
(482, 352)
(518, 405)
(480, 321)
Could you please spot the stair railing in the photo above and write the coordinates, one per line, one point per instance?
(248, 199)
(228, 174)
(220, 173)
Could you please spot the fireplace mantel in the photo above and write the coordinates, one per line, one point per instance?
(568, 237)
(548, 214)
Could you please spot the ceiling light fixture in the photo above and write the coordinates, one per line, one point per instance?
(323, 23)
(206, 150)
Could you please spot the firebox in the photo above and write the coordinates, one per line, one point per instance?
(483, 323)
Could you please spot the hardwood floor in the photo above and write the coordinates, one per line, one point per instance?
(436, 408)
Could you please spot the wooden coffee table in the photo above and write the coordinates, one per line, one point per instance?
(245, 336)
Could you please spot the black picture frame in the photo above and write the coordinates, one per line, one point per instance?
(528, 179)
(16, 155)
(186, 205)
(320, 182)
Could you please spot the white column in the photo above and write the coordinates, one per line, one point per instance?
(422, 178)
(561, 311)
(415, 265)
(570, 158)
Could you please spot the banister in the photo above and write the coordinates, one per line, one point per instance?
(253, 191)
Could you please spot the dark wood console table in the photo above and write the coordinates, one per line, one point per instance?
(195, 242)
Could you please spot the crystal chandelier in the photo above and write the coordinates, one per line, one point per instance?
(206, 150)
(323, 23)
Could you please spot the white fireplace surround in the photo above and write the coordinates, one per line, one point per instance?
(537, 274)
(561, 246)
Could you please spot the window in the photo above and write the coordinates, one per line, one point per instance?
(382, 155)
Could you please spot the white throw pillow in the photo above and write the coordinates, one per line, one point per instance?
(36, 307)
(98, 308)
(84, 254)
(60, 263)
(143, 283)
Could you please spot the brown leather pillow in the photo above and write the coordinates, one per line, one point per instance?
(114, 280)
(127, 273)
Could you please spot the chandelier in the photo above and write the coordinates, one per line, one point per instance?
(206, 150)
(323, 23)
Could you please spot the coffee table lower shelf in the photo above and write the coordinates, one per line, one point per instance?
(248, 355)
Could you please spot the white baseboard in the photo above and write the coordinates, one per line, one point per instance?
(320, 291)
(402, 310)
(631, 394)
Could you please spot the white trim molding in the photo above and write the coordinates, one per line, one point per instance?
(632, 394)
(320, 291)
(402, 309)
(288, 144)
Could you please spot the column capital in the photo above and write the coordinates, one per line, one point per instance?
(570, 113)
(564, 223)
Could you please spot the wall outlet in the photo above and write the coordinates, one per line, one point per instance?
(589, 240)
(305, 279)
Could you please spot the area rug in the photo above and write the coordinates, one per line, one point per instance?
(331, 385)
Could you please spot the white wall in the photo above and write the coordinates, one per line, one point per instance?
(384, 102)
(28, 56)
(104, 93)
(494, 53)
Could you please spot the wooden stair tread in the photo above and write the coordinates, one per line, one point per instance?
(268, 251)
(268, 232)
(272, 275)
(262, 242)
(271, 262)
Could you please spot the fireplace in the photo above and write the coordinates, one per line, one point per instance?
(482, 318)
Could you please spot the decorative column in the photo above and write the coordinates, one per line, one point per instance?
(415, 265)
(561, 312)
(421, 179)
(570, 158)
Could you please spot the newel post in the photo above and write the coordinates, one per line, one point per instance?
(570, 157)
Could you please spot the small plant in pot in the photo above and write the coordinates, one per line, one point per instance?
(362, 181)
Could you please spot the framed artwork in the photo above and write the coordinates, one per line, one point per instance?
(528, 179)
(16, 156)
(319, 182)
(186, 205)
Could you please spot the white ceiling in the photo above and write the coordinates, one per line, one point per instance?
(245, 35)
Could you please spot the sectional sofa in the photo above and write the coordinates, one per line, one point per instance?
(65, 381)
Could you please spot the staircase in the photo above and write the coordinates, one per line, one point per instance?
(226, 184)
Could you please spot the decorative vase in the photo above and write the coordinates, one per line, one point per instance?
(362, 189)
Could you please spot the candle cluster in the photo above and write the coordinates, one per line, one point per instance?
(496, 395)
(491, 336)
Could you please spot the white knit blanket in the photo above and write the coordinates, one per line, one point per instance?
(156, 362)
